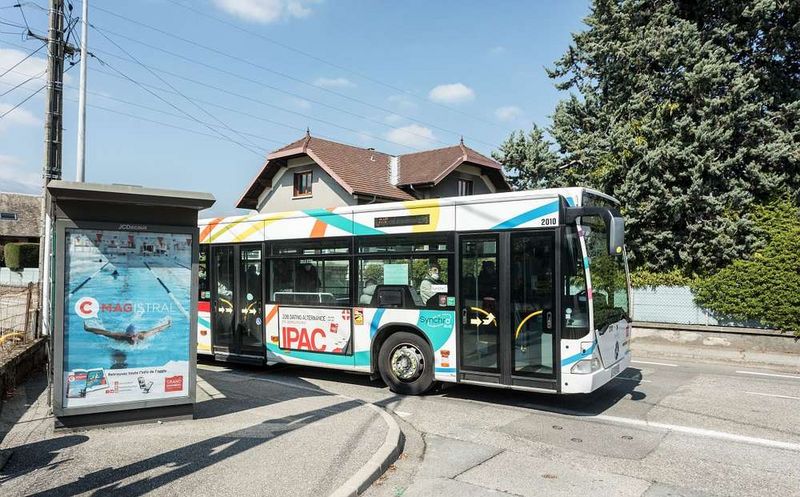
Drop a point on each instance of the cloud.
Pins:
(452, 94)
(14, 178)
(30, 67)
(265, 11)
(413, 135)
(334, 83)
(508, 113)
(301, 103)
(19, 117)
(393, 119)
(402, 102)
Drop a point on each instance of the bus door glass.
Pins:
(532, 299)
(480, 295)
(250, 306)
(507, 289)
(222, 297)
(237, 302)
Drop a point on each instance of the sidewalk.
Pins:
(251, 436)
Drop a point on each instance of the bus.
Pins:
(522, 290)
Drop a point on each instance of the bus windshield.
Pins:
(608, 272)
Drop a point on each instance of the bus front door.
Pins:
(237, 303)
(508, 319)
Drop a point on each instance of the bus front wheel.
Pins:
(405, 362)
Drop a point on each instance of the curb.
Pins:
(386, 454)
(379, 462)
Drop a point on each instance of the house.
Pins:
(20, 218)
(317, 173)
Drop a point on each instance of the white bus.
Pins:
(522, 290)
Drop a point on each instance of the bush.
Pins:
(765, 287)
(21, 255)
(642, 278)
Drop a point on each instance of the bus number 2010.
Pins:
(549, 221)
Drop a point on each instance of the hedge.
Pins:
(21, 255)
(765, 287)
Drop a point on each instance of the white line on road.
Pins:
(402, 414)
(771, 374)
(632, 379)
(774, 395)
(702, 432)
(655, 363)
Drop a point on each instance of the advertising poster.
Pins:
(126, 316)
(315, 330)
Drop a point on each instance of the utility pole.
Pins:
(51, 169)
(54, 100)
(82, 96)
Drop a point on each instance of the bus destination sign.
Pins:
(390, 222)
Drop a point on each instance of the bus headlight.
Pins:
(586, 366)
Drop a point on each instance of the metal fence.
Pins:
(18, 316)
(676, 305)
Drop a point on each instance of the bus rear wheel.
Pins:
(405, 362)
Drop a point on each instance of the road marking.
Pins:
(771, 374)
(655, 363)
(402, 414)
(702, 432)
(632, 379)
(774, 395)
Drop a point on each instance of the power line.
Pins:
(23, 60)
(12, 109)
(137, 83)
(260, 83)
(202, 109)
(332, 64)
(37, 76)
(154, 121)
(267, 69)
(266, 104)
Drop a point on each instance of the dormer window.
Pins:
(464, 187)
(302, 184)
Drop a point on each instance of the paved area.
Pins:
(251, 437)
(664, 429)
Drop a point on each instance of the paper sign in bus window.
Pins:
(395, 274)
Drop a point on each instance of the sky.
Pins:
(193, 94)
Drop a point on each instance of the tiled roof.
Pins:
(366, 171)
(28, 211)
(431, 166)
(358, 170)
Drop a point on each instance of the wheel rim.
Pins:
(407, 362)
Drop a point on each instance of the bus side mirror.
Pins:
(615, 225)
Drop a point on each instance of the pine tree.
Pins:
(688, 113)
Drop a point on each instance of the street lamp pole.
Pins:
(81, 162)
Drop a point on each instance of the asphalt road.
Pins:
(663, 428)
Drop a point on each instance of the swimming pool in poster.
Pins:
(126, 316)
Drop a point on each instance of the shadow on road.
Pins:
(590, 404)
(240, 394)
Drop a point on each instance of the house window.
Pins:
(8, 216)
(464, 187)
(302, 184)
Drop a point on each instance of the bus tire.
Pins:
(405, 362)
